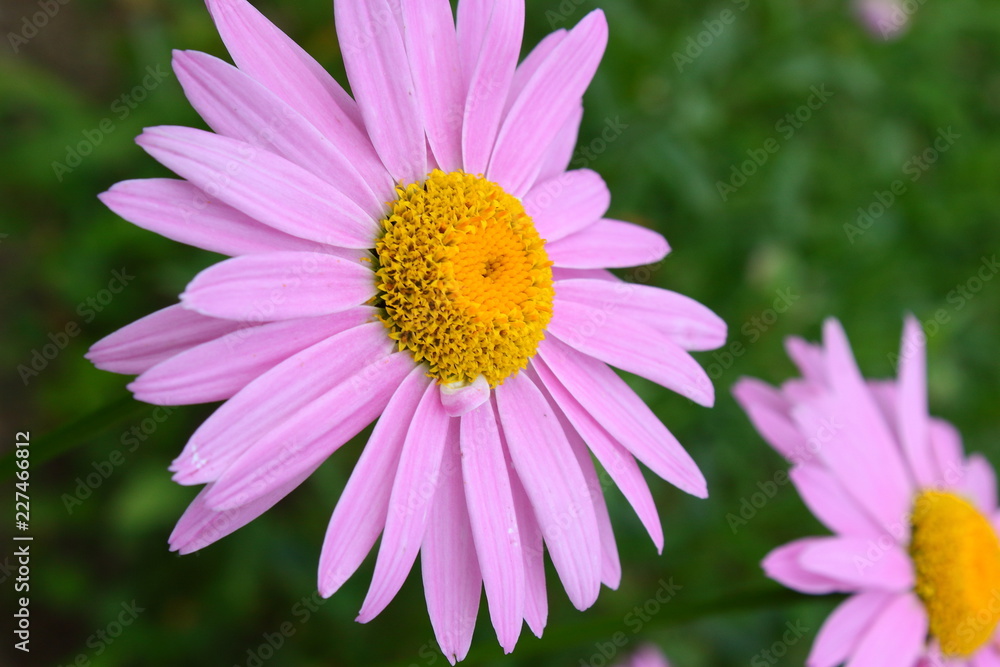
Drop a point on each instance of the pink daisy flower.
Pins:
(420, 255)
(915, 520)
(646, 656)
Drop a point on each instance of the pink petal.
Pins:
(452, 580)
(473, 23)
(280, 286)
(611, 567)
(559, 154)
(869, 470)
(416, 481)
(274, 398)
(985, 657)
(613, 404)
(200, 525)
(567, 203)
(536, 603)
(946, 444)
(608, 244)
(263, 185)
(432, 47)
(494, 522)
(860, 563)
(546, 103)
(830, 503)
(843, 629)
(912, 403)
(269, 56)
(181, 212)
(863, 449)
(534, 60)
(457, 401)
(981, 483)
(139, 346)
(896, 636)
(808, 357)
(379, 72)
(361, 512)
(630, 345)
(555, 485)
(685, 321)
(236, 105)
(493, 47)
(216, 370)
(312, 434)
(783, 566)
(767, 410)
(614, 458)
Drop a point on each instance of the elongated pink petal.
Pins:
(139, 346)
(685, 321)
(280, 286)
(808, 357)
(946, 444)
(495, 61)
(567, 203)
(218, 369)
(830, 503)
(274, 398)
(608, 244)
(363, 506)
(313, 433)
(269, 56)
(536, 603)
(236, 105)
(895, 637)
(843, 629)
(546, 103)
(181, 212)
(630, 345)
(494, 522)
(473, 21)
(872, 446)
(457, 401)
(432, 47)
(379, 71)
(615, 459)
(871, 472)
(535, 59)
(555, 485)
(417, 479)
(451, 571)
(860, 563)
(263, 185)
(613, 404)
(200, 525)
(611, 567)
(783, 566)
(981, 483)
(559, 154)
(767, 410)
(911, 416)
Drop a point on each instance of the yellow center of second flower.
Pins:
(463, 278)
(956, 555)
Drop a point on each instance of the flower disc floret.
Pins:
(463, 278)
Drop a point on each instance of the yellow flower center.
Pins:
(956, 554)
(463, 278)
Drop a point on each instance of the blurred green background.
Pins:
(685, 127)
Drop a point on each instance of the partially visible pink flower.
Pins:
(646, 656)
(420, 255)
(915, 541)
(886, 19)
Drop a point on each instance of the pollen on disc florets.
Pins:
(956, 555)
(463, 278)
